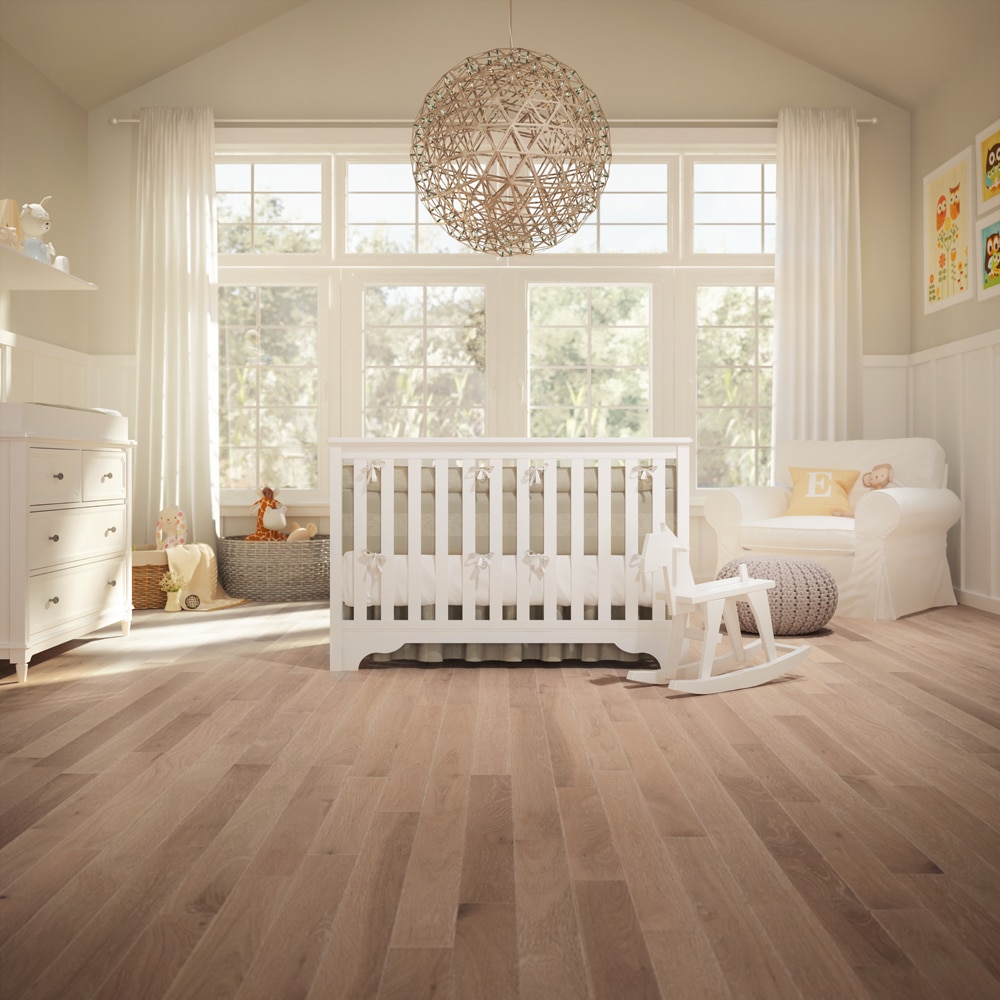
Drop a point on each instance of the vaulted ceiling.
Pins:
(899, 50)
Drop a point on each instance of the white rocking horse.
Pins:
(717, 601)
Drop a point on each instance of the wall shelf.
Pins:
(19, 272)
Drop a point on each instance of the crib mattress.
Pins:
(474, 573)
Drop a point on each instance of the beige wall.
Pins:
(943, 127)
(43, 151)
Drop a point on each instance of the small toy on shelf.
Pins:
(35, 223)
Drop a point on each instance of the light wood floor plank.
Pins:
(203, 810)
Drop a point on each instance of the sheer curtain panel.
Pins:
(817, 277)
(177, 339)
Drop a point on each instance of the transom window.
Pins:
(269, 207)
(734, 207)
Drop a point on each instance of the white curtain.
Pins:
(177, 340)
(817, 330)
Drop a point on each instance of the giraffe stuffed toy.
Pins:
(266, 502)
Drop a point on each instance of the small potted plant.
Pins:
(172, 584)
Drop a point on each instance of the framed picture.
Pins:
(988, 167)
(988, 256)
(948, 209)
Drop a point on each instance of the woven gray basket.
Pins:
(276, 571)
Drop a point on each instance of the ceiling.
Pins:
(899, 50)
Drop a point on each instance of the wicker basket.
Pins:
(276, 571)
(148, 567)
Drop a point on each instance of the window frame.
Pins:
(339, 276)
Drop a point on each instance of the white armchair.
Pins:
(889, 559)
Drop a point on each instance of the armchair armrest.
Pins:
(915, 509)
(727, 510)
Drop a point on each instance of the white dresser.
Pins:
(65, 543)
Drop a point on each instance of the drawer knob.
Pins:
(53, 538)
(57, 475)
(110, 531)
(112, 583)
(107, 475)
(52, 600)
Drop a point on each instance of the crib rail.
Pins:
(441, 564)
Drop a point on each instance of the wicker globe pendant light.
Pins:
(510, 152)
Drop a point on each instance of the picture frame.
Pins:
(988, 168)
(947, 212)
(988, 256)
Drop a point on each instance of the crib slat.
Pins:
(496, 539)
(440, 539)
(576, 538)
(631, 538)
(550, 547)
(522, 543)
(658, 519)
(360, 539)
(388, 543)
(414, 548)
(604, 539)
(467, 567)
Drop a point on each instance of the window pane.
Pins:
(727, 176)
(733, 436)
(373, 208)
(727, 208)
(588, 349)
(637, 177)
(269, 386)
(268, 207)
(425, 360)
(727, 239)
(380, 177)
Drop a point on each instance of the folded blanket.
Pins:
(196, 562)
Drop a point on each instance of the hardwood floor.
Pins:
(203, 810)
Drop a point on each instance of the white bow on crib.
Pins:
(534, 474)
(636, 561)
(372, 470)
(482, 472)
(643, 472)
(373, 560)
(480, 561)
(537, 561)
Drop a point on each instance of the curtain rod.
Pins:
(399, 122)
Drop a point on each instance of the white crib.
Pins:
(513, 540)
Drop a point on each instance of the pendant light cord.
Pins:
(510, 22)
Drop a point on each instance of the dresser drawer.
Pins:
(104, 475)
(53, 475)
(79, 592)
(61, 536)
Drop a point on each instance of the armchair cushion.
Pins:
(819, 492)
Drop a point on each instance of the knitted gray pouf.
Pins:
(803, 599)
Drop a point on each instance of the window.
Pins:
(385, 215)
(734, 207)
(346, 310)
(269, 207)
(425, 360)
(268, 387)
(589, 360)
(734, 365)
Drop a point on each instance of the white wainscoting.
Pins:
(949, 393)
(32, 371)
(953, 398)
